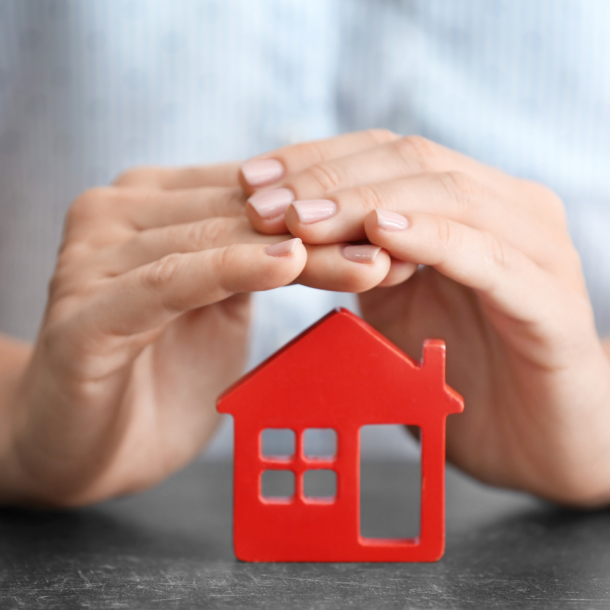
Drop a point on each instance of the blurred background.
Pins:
(91, 88)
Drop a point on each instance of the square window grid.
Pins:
(298, 466)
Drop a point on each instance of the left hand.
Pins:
(502, 285)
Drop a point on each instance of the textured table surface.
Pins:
(171, 548)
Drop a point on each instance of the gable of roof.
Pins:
(341, 369)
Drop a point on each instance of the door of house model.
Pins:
(390, 503)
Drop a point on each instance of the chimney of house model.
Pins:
(434, 360)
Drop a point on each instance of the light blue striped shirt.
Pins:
(89, 88)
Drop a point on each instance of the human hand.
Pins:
(146, 323)
(502, 285)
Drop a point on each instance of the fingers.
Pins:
(152, 295)
(141, 209)
(398, 158)
(267, 169)
(179, 207)
(453, 195)
(163, 178)
(345, 267)
(146, 235)
(340, 217)
(501, 275)
(327, 267)
(153, 244)
(399, 272)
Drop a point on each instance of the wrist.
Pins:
(14, 359)
(585, 469)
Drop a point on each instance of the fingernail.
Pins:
(284, 248)
(271, 203)
(360, 254)
(262, 171)
(390, 221)
(314, 210)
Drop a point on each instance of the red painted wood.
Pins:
(340, 374)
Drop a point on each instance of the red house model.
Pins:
(339, 374)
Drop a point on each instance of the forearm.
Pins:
(606, 344)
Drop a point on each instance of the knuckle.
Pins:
(73, 258)
(370, 198)
(223, 259)
(161, 274)
(63, 288)
(198, 234)
(141, 175)
(417, 151)
(56, 345)
(313, 150)
(206, 233)
(381, 135)
(548, 204)
(553, 205)
(231, 205)
(90, 201)
(64, 307)
(446, 236)
(572, 264)
(496, 252)
(327, 176)
(87, 207)
(72, 252)
(461, 189)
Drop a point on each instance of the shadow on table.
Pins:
(173, 545)
(32, 534)
(191, 518)
(183, 517)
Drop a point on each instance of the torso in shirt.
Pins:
(88, 89)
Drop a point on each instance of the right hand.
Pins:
(146, 323)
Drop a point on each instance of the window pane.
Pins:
(320, 484)
(277, 484)
(320, 443)
(277, 442)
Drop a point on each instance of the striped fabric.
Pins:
(91, 87)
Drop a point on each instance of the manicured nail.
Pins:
(284, 248)
(271, 203)
(262, 171)
(360, 254)
(390, 221)
(314, 210)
